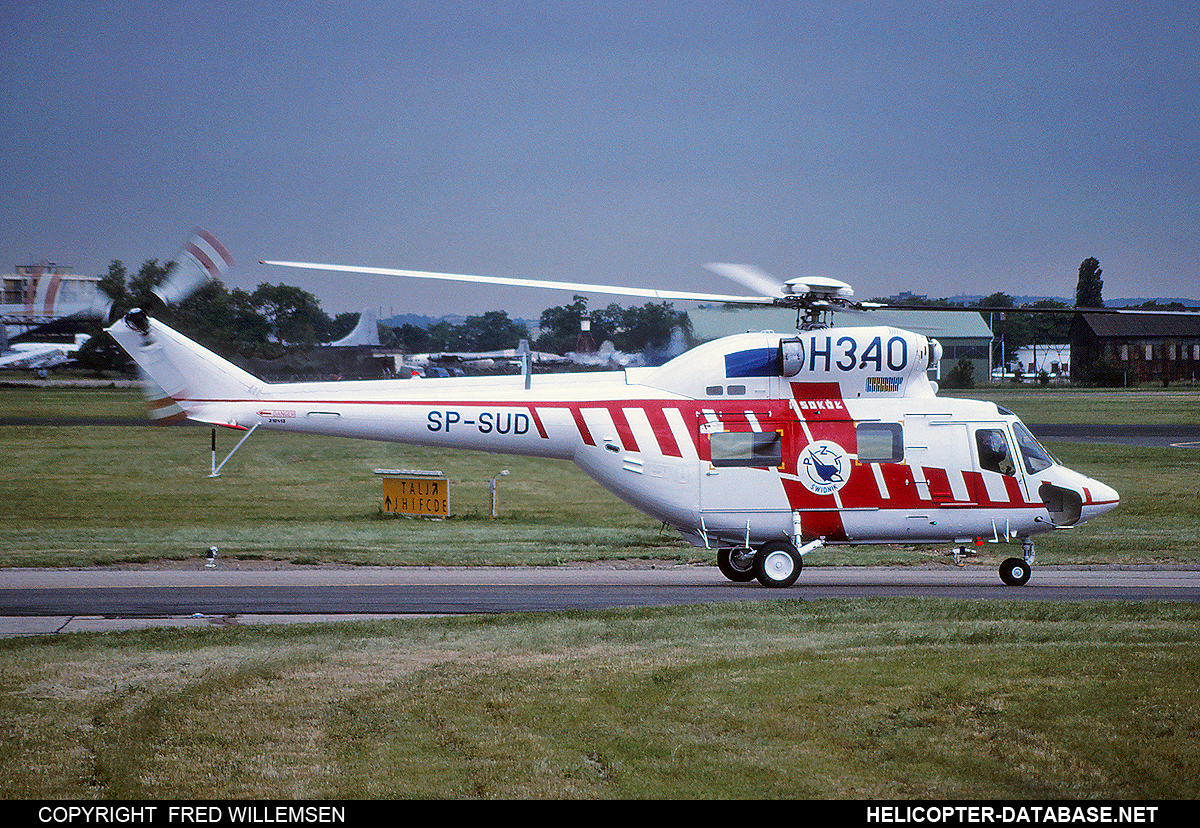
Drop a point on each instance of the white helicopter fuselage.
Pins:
(833, 435)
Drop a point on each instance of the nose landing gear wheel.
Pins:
(1015, 572)
(777, 564)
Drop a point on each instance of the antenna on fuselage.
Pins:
(526, 362)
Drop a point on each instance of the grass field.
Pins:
(83, 495)
(884, 698)
(889, 699)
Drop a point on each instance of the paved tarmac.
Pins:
(1161, 436)
(35, 601)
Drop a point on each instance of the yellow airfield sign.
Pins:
(415, 492)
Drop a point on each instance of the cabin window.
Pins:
(746, 448)
(880, 442)
(714, 390)
(994, 454)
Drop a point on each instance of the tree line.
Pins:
(274, 320)
(1018, 330)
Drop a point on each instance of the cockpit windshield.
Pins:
(1036, 457)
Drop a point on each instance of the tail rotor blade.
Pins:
(202, 260)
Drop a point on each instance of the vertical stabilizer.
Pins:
(366, 332)
(186, 375)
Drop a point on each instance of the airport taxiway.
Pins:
(62, 600)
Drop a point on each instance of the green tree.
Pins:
(343, 324)
(295, 315)
(1018, 329)
(962, 375)
(149, 276)
(1049, 328)
(102, 353)
(645, 327)
(412, 338)
(1089, 287)
(225, 321)
(493, 331)
(114, 284)
(446, 336)
(561, 326)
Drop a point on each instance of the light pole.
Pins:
(492, 489)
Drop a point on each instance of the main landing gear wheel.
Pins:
(1015, 572)
(777, 564)
(736, 564)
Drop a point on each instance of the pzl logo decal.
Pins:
(824, 467)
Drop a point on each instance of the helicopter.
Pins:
(760, 447)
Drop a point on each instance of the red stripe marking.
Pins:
(623, 429)
(939, 484)
(577, 413)
(216, 245)
(202, 257)
(662, 432)
(1015, 495)
(537, 421)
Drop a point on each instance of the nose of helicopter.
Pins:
(1098, 498)
(1072, 498)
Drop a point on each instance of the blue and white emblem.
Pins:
(824, 467)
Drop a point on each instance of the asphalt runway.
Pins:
(51, 600)
(1161, 436)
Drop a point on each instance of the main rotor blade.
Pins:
(1022, 309)
(584, 287)
(749, 276)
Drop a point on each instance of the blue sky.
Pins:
(939, 148)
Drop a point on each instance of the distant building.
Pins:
(41, 294)
(1055, 360)
(46, 290)
(1150, 347)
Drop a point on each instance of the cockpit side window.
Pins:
(994, 453)
(1036, 457)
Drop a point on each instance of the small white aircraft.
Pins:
(761, 447)
(40, 354)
